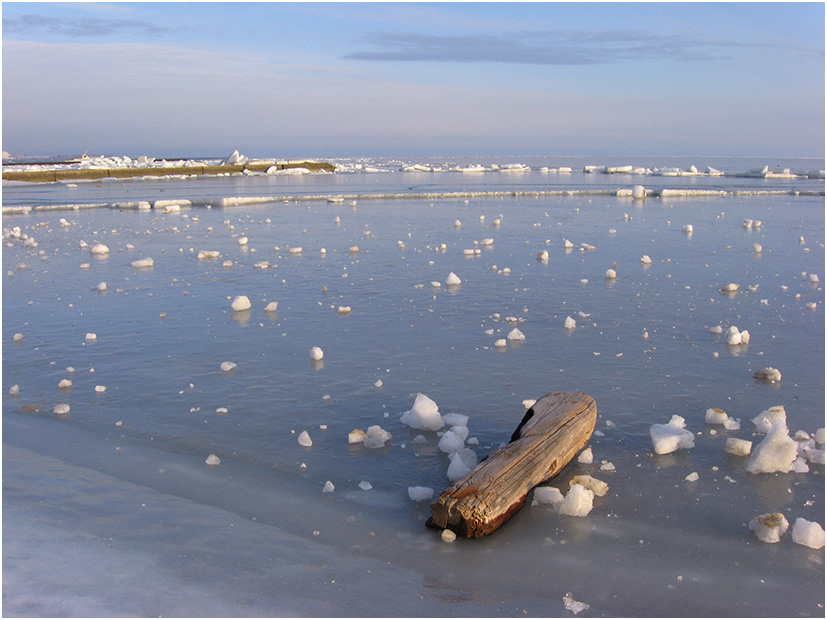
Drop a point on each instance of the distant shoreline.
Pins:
(51, 175)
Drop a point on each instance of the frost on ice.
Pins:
(776, 453)
(667, 438)
(424, 415)
(770, 527)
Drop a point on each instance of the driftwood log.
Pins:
(552, 431)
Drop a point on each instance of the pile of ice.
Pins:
(375, 437)
(672, 436)
(578, 502)
(780, 453)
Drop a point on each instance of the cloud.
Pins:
(32, 24)
(553, 47)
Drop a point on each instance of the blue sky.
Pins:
(373, 79)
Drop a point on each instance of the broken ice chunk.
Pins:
(61, 409)
(764, 420)
(570, 323)
(447, 535)
(356, 436)
(316, 353)
(240, 302)
(273, 306)
(598, 487)
(213, 460)
(99, 249)
(365, 485)
(586, 457)
(304, 439)
(693, 477)
(227, 366)
(575, 606)
(328, 487)
(770, 527)
(424, 415)
(515, 334)
(376, 437)
(716, 416)
(808, 533)
(769, 374)
(420, 494)
(462, 462)
(737, 447)
(667, 438)
(578, 502)
(143, 263)
(548, 495)
(776, 453)
(645, 259)
(451, 442)
(455, 419)
(453, 279)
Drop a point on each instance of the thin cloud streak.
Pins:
(32, 24)
(553, 47)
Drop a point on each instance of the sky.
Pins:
(344, 79)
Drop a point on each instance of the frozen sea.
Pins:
(111, 509)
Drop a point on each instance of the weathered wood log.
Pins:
(552, 431)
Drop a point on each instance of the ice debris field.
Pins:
(303, 374)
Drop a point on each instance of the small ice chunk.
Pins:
(813, 277)
(819, 435)
(100, 389)
(101, 287)
(737, 447)
(424, 415)
(548, 495)
(91, 336)
(808, 533)
(586, 457)
(455, 419)
(207, 254)
(744, 337)
(500, 343)
(143, 263)
(420, 494)
(645, 259)
(462, 462)
(578, 502)
(273, 306)
(732, 424)
(716, 329)
(65, 383)
(365, 485)
(638, 192)
(543, 256)
(730, 287)
(764, 420)
(316, 353)
(570, 323)
(575, 606)
(99, 248)
(716, 416)
(515, 334)
(419, 439)
(241, 302)
(598, 487)
(378, 383)
(733, 338)
(356, 436)
(448, 536)
(611, 274)
(693, 477)
(451, 442)
(688, 228)
(757, 248)
(213, 460)
(769, 374)
(776, 453)
(770, 527)
(667, 438)
(328, 487)
(61, 409)
(376, 437)
(304, 439)
(14, 390)
(453, 279)
(227, 366)
(344, 309)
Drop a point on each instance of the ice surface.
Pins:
(808, 533)
(424, 415)
(776, 453)
(667, 438)
(770, 527)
